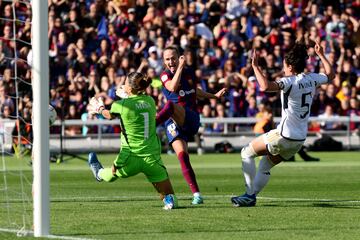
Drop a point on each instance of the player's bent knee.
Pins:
(275, 159)
(248, 152)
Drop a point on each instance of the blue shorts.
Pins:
(190, 128)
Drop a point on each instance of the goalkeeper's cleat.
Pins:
(95, 165)
(245, 200)
(197, 200)
(170, 202)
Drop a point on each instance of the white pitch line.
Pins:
(67, 237)
(31, 233)
(309, 200)
(206, 197)
(182, 197)
(147, 197)
(8, 230)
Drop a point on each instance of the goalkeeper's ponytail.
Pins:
(138, 81)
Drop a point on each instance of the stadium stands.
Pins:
(94, 44)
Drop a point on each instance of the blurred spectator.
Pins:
(252, 108)
(354, 111)
(154, 61)
(319, 103)
(6, 103)
(326, 124)
(22, 133)
(219, 113)
(344, 93)
(264, 122)
(72, 114)
(331, 98)
(206, 113)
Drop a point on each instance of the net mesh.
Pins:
(15, 119)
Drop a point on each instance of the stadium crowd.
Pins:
(94, 44)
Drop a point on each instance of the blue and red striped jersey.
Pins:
(185, 95)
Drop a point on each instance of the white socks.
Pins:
(249, 170)
(263, 174)
(255, 181)
(197, 194)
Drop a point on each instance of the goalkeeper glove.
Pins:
(96, 105)
(120, 92)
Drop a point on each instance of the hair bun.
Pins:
(138, 81)
(145, 82)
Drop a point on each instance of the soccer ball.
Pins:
(52, 115)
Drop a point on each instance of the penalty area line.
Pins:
(31, 233)
(67, 237)
(205, 197)
(184, 197)
(308, 200)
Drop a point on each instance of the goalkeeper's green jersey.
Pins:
(138, 125)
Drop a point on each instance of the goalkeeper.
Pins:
(140, 146)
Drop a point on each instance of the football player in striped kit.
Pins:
(180, 114)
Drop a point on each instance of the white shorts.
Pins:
(277, 145)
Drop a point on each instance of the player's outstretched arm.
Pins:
(327, 66)
(106, 114)
(96, 106)
(202, 94)
(264, 84)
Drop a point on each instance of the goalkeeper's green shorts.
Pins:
(128, 165)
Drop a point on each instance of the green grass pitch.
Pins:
(303, 200)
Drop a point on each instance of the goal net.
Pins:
(18, 110)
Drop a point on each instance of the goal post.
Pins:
(40, 74)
